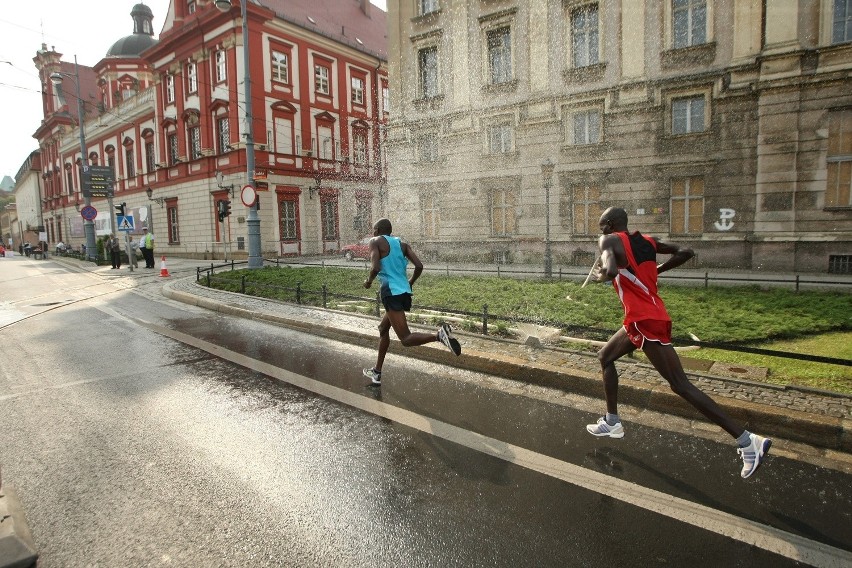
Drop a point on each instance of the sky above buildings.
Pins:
(71, 28)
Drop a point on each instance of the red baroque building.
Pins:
(168, 115)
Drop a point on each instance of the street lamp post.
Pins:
(255, 260)
(88, 225)
(546, 174)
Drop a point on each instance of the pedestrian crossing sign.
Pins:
(125, 223)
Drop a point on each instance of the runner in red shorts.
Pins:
(629, 260)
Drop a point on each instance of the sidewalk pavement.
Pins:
(799, 414)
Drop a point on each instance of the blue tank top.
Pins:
(392, 275)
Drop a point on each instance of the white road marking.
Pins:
(756, 534)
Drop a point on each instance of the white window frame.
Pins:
(427, 147)
(674, 103)
(499, 54)
(669, 23)
(583, 119)
(357, 84)
(386, 99)
(279, 63)
(170, 88)
(191, 78)
(221, 65)
(835, 32)
(428, 74)
(427, 7)
(500, 138)
(591, 35)
(322, 85)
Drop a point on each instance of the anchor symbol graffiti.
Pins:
(724, 223)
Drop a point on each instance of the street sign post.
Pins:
(88, 213)
(97, 180)
(248, 195)
(125, 223)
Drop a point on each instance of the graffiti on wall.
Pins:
(725, 222)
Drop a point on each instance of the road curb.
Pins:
(17, 548)
(818, 430)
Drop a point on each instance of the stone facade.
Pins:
(711, 132)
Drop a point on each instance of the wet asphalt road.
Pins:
(130, 447)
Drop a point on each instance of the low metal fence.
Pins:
(302, 296)
(687, 277)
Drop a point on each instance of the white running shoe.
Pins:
(374, 376)
(445, 336)
(601, 429)
(753, 454)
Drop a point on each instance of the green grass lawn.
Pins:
(811, 322)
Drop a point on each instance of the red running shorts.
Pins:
(651, 330)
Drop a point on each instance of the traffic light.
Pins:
(224, 209)
(120, 209)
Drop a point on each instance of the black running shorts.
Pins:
(398, 303)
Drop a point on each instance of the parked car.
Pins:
(361, 249)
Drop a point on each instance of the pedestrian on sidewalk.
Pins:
(389, 257)
(146, 245)
(629, 260)
(113, 247)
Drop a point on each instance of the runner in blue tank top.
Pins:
(389, 258)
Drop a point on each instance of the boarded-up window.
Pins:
(587, 208)
(687, 206)
(503, 203)
(429, 207)
(839, 159)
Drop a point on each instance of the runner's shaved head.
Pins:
(383, 226)
(617, 217)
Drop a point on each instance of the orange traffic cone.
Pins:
(163, 270)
